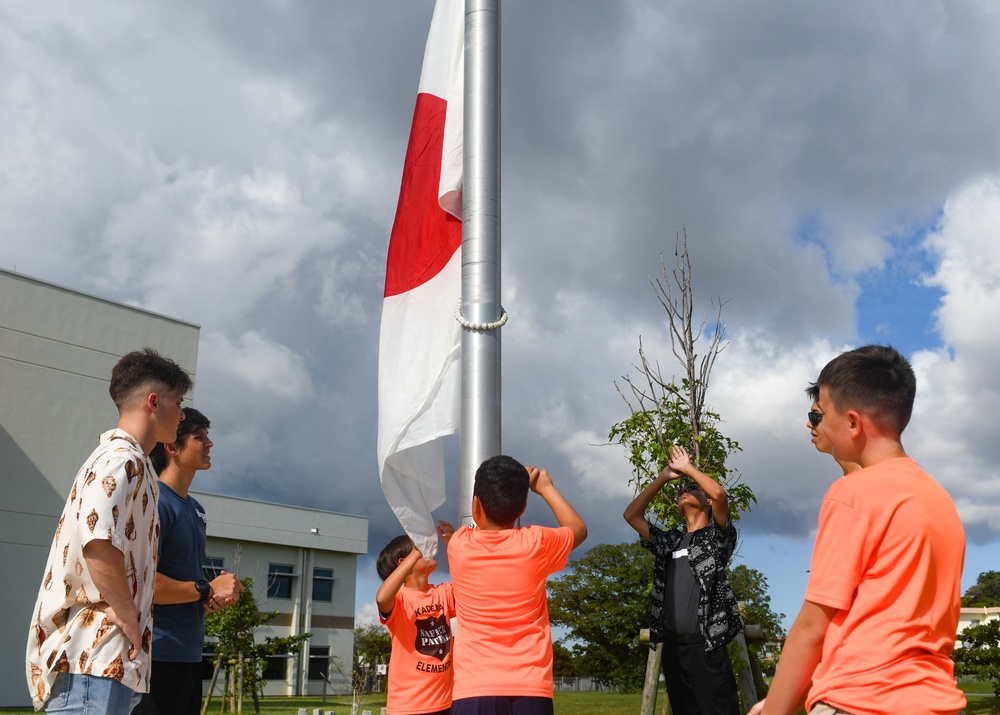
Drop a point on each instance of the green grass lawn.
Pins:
(564, 704)
(597, 703)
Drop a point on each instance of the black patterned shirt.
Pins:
(708, 555)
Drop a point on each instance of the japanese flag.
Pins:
(419, 370)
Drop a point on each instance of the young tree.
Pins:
(979, 656)
(372, 645)
(648, 435)
(233, 628)
(603, 602)
(352, 675)
(665, 413)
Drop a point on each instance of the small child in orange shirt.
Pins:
(418, 616)
(503, 636)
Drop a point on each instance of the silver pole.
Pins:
(480, 435)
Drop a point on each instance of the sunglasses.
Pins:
(815, 418)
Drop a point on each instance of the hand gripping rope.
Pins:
(479, 327)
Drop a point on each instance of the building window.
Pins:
(323, 585)
(213, 566)
(279, 581)
(319, 662)
(276, 667)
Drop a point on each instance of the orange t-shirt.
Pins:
(888, 557)
(420, 673)
(502, 640)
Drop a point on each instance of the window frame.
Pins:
(278, 580)
(323, 579)
(213, 566)
(317, 660)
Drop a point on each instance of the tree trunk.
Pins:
(747, 690)
(652, 682)
(211, 687)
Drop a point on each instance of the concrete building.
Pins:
(304, 565)
(975, 616)
(57, 348)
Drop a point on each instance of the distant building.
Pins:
(975, 616)
(57, 348)
(304, 565)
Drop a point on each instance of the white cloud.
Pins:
(967, 246)
(958, 384)
(338, 304)
(366, 614)
(255, 364)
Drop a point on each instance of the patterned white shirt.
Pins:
(114, 497)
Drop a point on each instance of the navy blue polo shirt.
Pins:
(179, 628)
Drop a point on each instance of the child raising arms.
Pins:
(504, 641)
(418, 616)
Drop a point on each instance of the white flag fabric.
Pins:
(419, 369)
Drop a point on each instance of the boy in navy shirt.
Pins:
(182, 593)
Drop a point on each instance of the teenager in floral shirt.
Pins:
(89, 640)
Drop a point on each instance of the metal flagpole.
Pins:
(480, 429)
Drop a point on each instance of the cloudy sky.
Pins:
(236, 164)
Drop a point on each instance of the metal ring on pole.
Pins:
(479, 327)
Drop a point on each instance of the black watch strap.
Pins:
(204, 589)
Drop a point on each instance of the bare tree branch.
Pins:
(675, 292)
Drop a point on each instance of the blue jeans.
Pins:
(76, 694)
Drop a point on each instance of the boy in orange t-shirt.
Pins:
(503, 640)
(878, 625)
(418, 616)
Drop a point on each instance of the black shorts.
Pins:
(174, 689)
(699, 682)
(502, 705)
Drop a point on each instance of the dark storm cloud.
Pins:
(236, 164)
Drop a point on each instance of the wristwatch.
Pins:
(204, 589)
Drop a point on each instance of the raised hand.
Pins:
(446, 531)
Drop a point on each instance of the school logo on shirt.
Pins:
(433, 637)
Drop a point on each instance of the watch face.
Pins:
(204, 588)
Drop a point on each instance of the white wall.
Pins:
(57, 348)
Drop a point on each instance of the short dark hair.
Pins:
(388, 558)
(501, 486)
(192, 422)
(875, 380)
(145, 368)
(812, 392)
